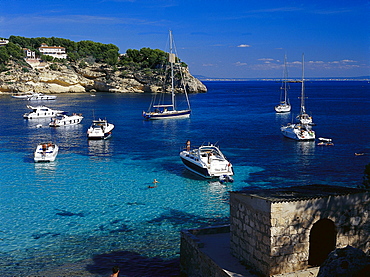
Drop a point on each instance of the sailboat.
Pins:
(303, 117)
(284, 105)
(169, 110)
(303, 129)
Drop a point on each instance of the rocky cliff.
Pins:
(61, 78)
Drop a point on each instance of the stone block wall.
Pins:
(290, 232)
(250, 232)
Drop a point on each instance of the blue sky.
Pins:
(219, 39)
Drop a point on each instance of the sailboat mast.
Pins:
(285, 81)
(171, 60)
(303, 110)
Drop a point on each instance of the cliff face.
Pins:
(60, 78)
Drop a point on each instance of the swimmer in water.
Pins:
(155, 184)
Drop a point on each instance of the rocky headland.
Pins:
(52, 78)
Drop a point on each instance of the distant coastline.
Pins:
(361, 78)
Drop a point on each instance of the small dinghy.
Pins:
(225, 179)
(325, 142)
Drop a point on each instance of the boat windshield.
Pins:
(98, 124)
(210, 150)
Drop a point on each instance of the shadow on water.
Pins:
(132, 264)
(185, 220)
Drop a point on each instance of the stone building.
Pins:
(283, 230)
(280, 231)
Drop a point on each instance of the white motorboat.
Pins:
(159, 110)
(303, 129)
(41, 112)
(100, 129)
(66, 120)
(33, 96)
(41, 96)
(46, 152)
(207, 161)
(284, 105)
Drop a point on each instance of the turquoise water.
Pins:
(94, 199)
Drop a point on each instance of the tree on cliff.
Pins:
(9, 51)
(4, 55)
(107, 53)
(145, 58)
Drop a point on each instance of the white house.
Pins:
(54, 51)
(29, 54)
(3, 42)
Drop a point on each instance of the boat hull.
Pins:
(166, 115)
(100, 137)
(34, 96)
(40, 98)
(196, 168)
(283, 108)
(22, 96)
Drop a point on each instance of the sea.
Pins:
(92, 207)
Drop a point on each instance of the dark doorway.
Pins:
(323, 238)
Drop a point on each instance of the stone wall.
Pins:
(250, 233)
(274, 237)
(193, 261)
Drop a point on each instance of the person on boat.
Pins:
(209, 157)
(188, 145)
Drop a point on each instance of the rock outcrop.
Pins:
(346, 262)
(60, 78)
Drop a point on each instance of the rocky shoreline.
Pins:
(53, 78)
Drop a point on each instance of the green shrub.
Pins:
(54, 66)
(82, 64)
